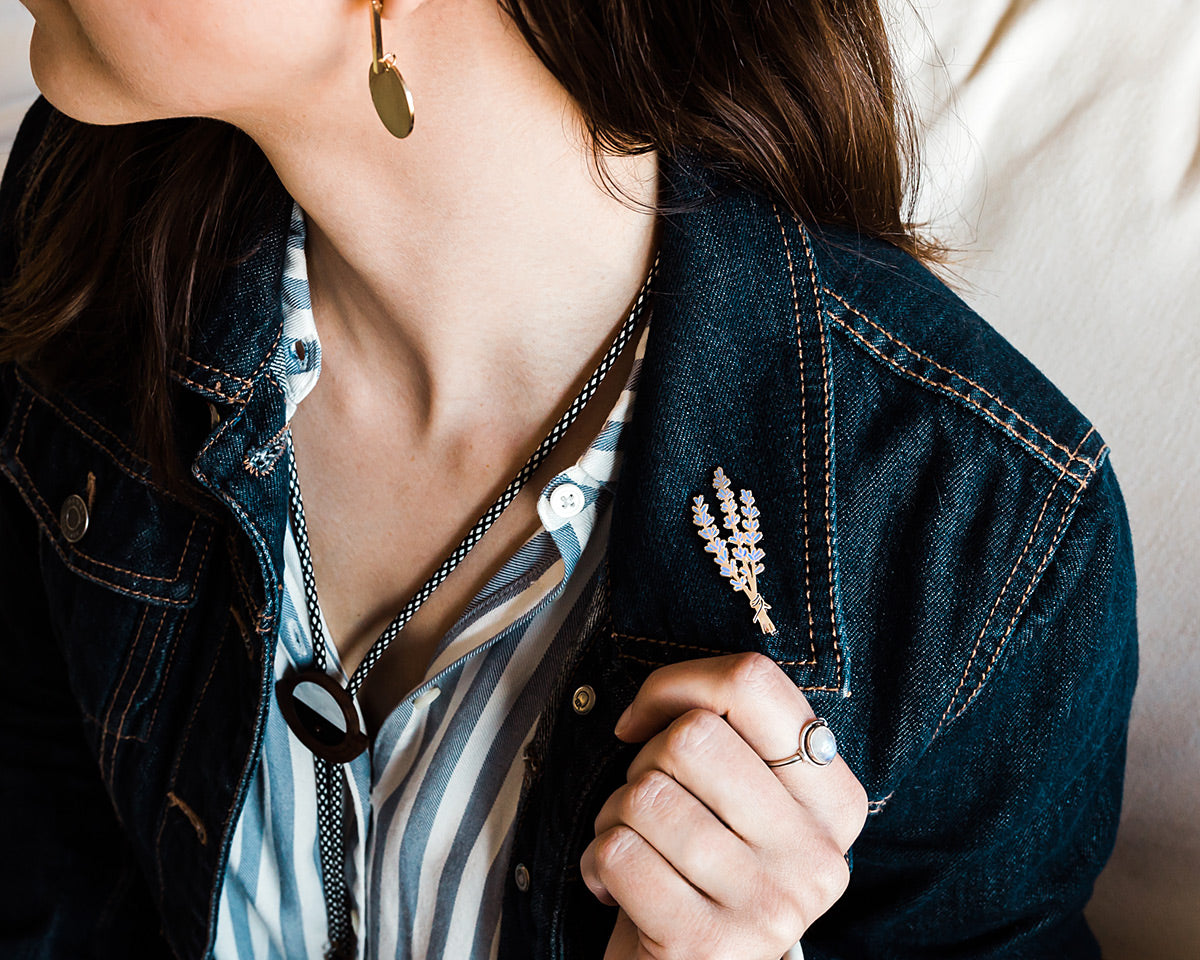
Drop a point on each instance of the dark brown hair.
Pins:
(133, 225)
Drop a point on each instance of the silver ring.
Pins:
(818, 745)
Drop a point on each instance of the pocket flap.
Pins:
(93, 499)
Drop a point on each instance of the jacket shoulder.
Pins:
(896, 312)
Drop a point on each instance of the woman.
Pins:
(646, 261)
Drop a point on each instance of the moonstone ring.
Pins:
(818, 745)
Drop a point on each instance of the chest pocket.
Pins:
(120, 560)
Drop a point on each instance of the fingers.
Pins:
(673, 919)
(685, 832)
(758, 699)
(621, 863)
(707, 850)
(766, 709)
(702, 753)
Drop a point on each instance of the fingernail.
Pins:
(623, 721)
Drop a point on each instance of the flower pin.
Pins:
(739, 556)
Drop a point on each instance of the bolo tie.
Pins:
(323, 714)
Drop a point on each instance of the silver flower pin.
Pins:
(739, 556)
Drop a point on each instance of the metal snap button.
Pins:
(566, 500)
(521, 876)
(214, 415)
(583, 700)
(73, 518)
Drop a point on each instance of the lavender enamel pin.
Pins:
(739, 556)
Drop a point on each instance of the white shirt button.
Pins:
(566, 500)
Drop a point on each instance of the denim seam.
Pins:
(116, 693)
(1037, 525)
(712, 651)
(93, 442)
(812, 642)
(178, 629)
(224, 373)
(174, 578)
(117, 461)
(111, 585)
(1033, 581)
(667, 643)
(95, 722)
(193, 818)
(204, 388)
(247, 382)
(264, 627)
(641, 660)
(94, 422)
(112, 755)
(821, 331)
(167, 672)
(243, 630)
(174, 800)
(875, 806)
(239, 572)
(954, 373)
(945, 388)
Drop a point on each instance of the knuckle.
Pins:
(693, 731)
(647, 794)
(832, 876)
(852, 812)
(612, 849)
(784, 925)
(860, 807)
(756, 671)
(786, 896)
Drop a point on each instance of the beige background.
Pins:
(1063, 160)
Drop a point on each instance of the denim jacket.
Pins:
(948, 564)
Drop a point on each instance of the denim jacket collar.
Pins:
(736, 315)
(231, 346)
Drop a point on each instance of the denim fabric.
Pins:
(948, 563)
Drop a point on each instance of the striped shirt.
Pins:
(435, 796)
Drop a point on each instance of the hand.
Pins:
(707, 850)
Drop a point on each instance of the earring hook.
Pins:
(376, 36)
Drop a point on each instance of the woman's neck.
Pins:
(478, 263)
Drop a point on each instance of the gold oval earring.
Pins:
(390, 94)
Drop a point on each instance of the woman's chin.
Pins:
(70, 87)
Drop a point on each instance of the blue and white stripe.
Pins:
(438, 790)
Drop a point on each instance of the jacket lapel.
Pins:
(736, 375)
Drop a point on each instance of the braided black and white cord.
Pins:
(330, 835)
